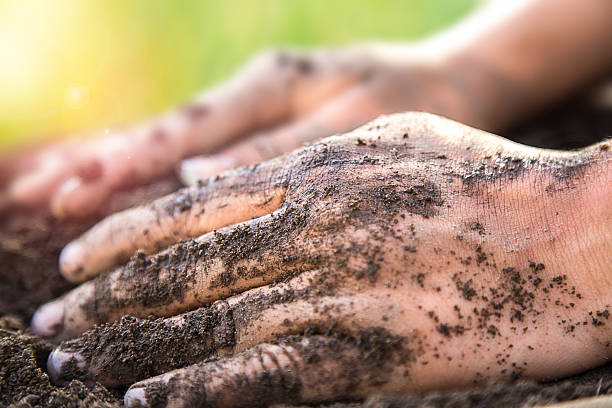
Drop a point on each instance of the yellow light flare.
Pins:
(76, 96)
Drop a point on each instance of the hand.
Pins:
(279, 101)
(411, 254)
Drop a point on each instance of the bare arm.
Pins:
(513, 58)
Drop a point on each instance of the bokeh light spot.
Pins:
(76, 96)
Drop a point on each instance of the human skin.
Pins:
(412, 254)
(503, 63)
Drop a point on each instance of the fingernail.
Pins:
(198, 168)
(48, 319)
(71, 261)
(135, 397)
(64, 367)
(70, 185)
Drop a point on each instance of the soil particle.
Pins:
(157, 395)
(24, 382)
(419, 199)
(518, 297)
(447, 330)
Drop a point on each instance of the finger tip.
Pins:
(193, 170)
(65, 366)
(135, 397)
(198, 168)
(47, 321)
(71, 262)
(53, 367)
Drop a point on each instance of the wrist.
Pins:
(490, 99)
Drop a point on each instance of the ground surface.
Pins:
(30, 244)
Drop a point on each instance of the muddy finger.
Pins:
(234, 197)
(133, 349)
(292, 370)
(186, 276)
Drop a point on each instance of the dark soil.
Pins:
(30, 242)
(23, 381)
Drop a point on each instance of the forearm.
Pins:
(513, 58)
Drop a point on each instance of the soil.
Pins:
(30, 242)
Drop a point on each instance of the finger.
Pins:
(77, 198)
(292, 370)
(258, 96)
(134, 349)
(342, 114)
(36, 187)
(233, 198)
(187, 275)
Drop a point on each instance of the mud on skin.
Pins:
(161, 279)
(153, 346)
(467, 291)
(27, 384)
(375, 348)
(381, 184)
(365, 205)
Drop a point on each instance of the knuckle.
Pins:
(266, 146)
(285, 60)
(271, 59)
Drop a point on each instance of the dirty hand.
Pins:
(411, 254)
(273, 105)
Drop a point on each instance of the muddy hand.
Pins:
(276, 103)
(412, 254)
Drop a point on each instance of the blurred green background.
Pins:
(70, 66)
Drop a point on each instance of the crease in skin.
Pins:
(290, 370)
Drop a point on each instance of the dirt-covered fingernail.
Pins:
(135, 397)
(48, 319)
(198, 168)
(64, 367)
(71, 260)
